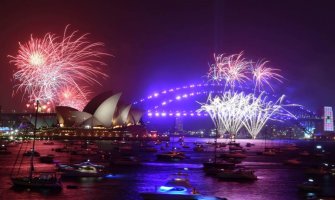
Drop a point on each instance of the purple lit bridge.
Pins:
(182, 102)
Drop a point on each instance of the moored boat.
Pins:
(171, 156)
(85, 169)
(309, 186)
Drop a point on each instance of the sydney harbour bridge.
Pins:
(184, 101)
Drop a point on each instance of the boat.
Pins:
(218, 164)
(4, 150)
(45, 180)
(235, 148)
(185, 146)
(249, 144)
(309, 186)
(177, 187)
(31, 152)
(239, 174)
(237, 155)
(48, 143)
(84, 169)
(304, 153)
(268, 152)
(293, 161)
(148, 148)
(171, 156)
(199, 148)
(316, 170)
(49, 159)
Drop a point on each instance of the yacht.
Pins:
(45, 180)
(171, 156)
(84, 169)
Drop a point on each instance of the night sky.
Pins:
(162, 44)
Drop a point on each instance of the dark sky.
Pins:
(161, 44)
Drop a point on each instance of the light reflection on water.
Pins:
(276, 181)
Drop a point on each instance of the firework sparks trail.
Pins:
(260, 111)
(73, 98)
(232, 110)
(262, 75)
(213, 111)
(236, 70)
(46, 66)
(231, 69)
(227, 111)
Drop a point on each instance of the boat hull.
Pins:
(36, 183)
(162, 196)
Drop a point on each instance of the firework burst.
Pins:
(262, 75)
(46, 65)
(231, 69)
(232, 111)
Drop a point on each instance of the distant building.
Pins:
(328, 119)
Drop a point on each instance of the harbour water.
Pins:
(276, 181)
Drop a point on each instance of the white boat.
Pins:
(85, 169)
(176, 188)
(236, 174)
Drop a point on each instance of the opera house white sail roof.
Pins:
(104, 110)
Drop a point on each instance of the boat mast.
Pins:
(215, 143)
(33, 149)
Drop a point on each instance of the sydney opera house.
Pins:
(105, 116)
(104, 111)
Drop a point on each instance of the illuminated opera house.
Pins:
(104, 110)
(105, 116)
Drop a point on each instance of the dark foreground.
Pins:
(276, 180)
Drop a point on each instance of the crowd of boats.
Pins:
(226, 162)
